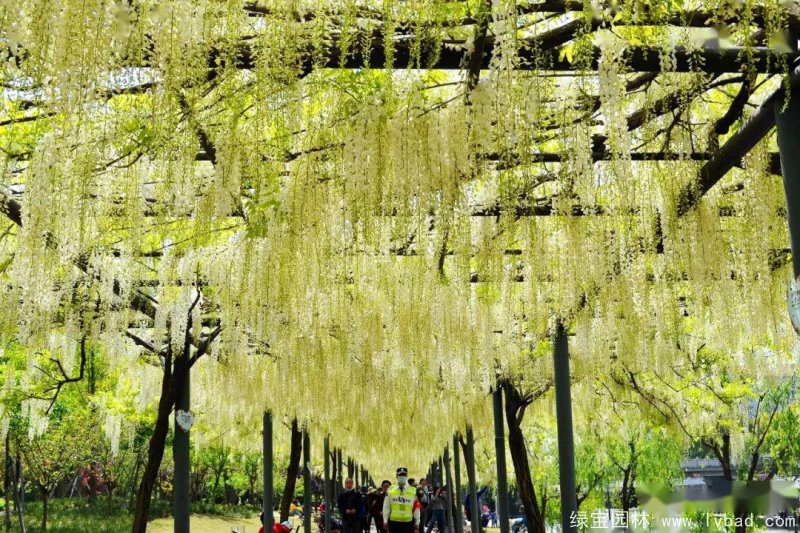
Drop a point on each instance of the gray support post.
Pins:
(180, 450)
(306, 481)
(328, 488)
(469, 456)
(457, 494)
(500, 451)
(788, 123)
(451, 490)
(269, 517)
(566, 444)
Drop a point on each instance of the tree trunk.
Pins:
(293, 470)
(92, 374)
(452, 500)
(44, 508)
(19, 491)
(519, 456)
(155, 452)
(130, 492)
(91, 485)
(625, 496)
(338, 480)
(7, 482)
(723, 454)
(545, 499)
(213, 498)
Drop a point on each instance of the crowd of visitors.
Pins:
(404, 507)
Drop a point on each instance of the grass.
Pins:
(77, 516)
(243, 523)
(210, 524)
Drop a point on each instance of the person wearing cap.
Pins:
(399, 515)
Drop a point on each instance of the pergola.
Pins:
(362, 37)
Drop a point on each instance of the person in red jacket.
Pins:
(285, 527)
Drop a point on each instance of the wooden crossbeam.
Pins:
(735, 148)
(637, 58)
(688, 18)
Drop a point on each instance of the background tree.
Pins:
(56, 454)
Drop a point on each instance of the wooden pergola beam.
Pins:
(698, 18)
(637, 59)
(735, 148)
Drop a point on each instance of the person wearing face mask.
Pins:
(399, 515)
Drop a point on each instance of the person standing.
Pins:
(436, 509)
(399, 515)
(424, 497)
(350, 503)
(468, 504)
(375, 507)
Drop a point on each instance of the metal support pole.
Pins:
(469, 456)
(306, 482)
(269, 517)
(500, 452)
(459, 496)
(449, 481)
(328, 491)
(180, 450)
(566, 444)
(788, 123)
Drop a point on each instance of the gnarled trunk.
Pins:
(515, 410)
(155, 452)
(292, 471)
